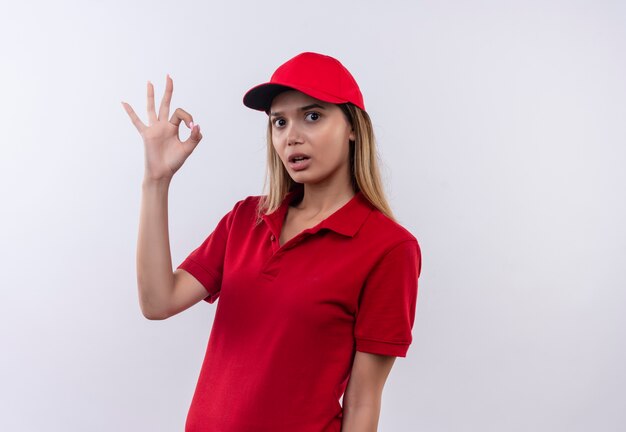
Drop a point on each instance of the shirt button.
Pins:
(272, 237)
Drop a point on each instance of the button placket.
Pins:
(272, 267)
(274, 244)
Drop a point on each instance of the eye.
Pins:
(279, 122)
(313, 116)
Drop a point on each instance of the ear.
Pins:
(351, 137)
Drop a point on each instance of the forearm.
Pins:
(362, 418)
(155, 280)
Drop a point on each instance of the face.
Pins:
(311, 138)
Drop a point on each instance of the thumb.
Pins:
(194, 138)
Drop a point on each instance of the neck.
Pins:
(325, 198)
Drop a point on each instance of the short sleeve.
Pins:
(206, 262)
(386, 311)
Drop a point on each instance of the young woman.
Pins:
(317, 282)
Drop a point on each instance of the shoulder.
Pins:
(393, 245)
(378, 222)
(244, 210)
(383, 234)
(246, 204)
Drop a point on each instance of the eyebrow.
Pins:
(304, 108)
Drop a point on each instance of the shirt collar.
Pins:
(346, 221)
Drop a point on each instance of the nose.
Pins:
(293, 135)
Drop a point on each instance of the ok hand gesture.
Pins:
(164, 152)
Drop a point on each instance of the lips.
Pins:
(296, 157)
(299, 161)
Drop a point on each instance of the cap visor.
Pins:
(260, 97)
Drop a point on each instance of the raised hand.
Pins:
(164, 151)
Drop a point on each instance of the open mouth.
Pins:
(296, 159)
(299, 162)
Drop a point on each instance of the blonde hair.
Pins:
(364, 172)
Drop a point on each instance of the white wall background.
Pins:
(502, 129)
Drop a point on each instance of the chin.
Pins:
(311, 176)
(303, 178)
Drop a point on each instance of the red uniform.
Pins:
(290, 318)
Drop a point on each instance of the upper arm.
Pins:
(199, 275)
(386, 308)
(367, 379)
(187, 292)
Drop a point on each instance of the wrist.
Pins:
(151, 182)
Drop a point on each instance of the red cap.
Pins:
(317, 75)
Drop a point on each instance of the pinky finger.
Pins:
(134, 118)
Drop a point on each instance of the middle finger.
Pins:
(164, 110)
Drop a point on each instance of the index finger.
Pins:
(134, 118)
(164, 109)
(152, 117)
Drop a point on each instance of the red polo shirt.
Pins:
(290, 318)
